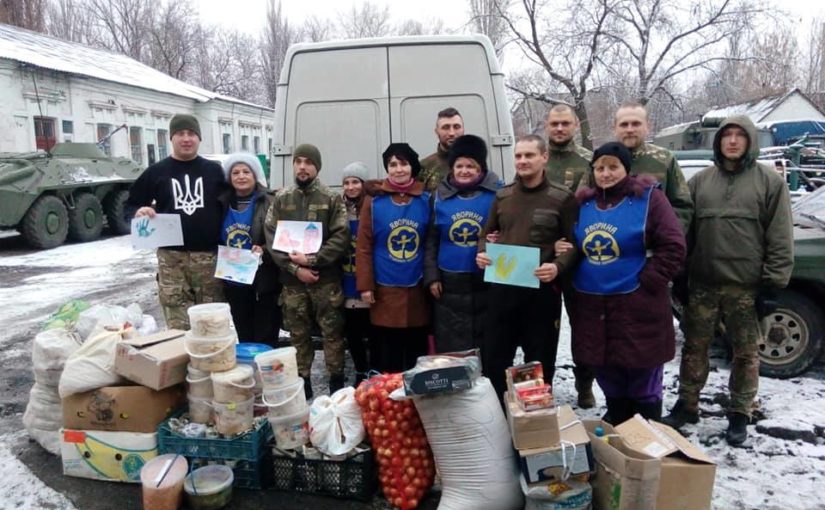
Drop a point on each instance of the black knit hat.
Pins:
(405, 152)
(615, 149)
(309, 151)
(183, 121)
(469, 146)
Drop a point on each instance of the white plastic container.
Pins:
(162, 479)
(198, 383)
(210, 354)
(278, 367)
(285, 401)
(235, 385)
(235, 417)
(291, 431)
(210, 319)
(209, 487)
(200, 410)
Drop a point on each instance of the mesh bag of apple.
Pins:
(405, 462)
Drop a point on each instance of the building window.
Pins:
(245, 143)
(68, 130)
(256, 142)
(136, 144)
(269, 146)
(44, 133)
(227, 143)
(163, 136)
(150, 153)
(103, 140)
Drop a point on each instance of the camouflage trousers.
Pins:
(322, 303)
(736, 305)
(186, 278)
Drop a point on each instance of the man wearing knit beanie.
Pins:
(187, 185)
(312, 281)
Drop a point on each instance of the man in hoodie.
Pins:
(741, 243)
(312, 281)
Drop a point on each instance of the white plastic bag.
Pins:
(50, 349)
(560, 495)
(335, 425)
(92, 366)
(472, 448)
(97, 318)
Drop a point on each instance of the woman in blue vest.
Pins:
(390, 261)
(632, 246)
(356, 311)
(254, 308)
(460, 208)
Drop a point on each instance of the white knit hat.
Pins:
(355, 169)
(249, 160)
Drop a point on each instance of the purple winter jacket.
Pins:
(632, 330)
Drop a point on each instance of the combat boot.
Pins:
(586, 398)
(680, 415)
(737, 431)
(650, 410)
(336, 382)
(307, 388)
(619, 410)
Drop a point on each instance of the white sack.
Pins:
(471, 444)
(97, 318)
(92, 366)
(335, 425)
(50, 349)
(44, 417)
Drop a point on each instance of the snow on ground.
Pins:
(21, 489)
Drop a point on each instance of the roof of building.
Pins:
(756, 109)
(40, 50)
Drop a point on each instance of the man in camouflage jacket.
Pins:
(434, 168)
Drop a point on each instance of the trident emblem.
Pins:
(189, 202)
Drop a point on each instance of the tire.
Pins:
(114, 206)
(792, 336)
(46, 223)
(86, 219)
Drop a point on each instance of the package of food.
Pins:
(535, 401)
(211, 354)
(442, 373)
(523, 373)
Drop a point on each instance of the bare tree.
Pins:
(277, 37)
(66, 19)
(123, 25)
(317, 29)
(416, 27)
(366, 20)
(485, 18)
(173, 37)
(813, 65)
(30, 14)
(566, 43)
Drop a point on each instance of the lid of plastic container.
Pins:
(208, 480)
(239, 373)
(175, 467)
(246, 352)
(277, 353)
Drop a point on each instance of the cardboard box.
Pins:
(121, 408)
(655, 465)
(573, 454)
(111, 456)
(157, 361)
(534, 429)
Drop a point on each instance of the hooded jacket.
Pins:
(742, 232)
(568, 164)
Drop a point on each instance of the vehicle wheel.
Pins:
(86, 219)
(792, 336)
(46, 223)
(114, 205)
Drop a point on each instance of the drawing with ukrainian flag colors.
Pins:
(512, 265)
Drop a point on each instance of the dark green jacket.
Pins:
(314, 203)
(568, 164)
(742, 230)
(659, 162)
(434, 169)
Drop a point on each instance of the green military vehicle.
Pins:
(67, 192)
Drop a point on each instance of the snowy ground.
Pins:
(781, 467)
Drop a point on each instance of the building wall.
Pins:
(795, 107)
(85, 108)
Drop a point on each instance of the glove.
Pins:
(766, 302)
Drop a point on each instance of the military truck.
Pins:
(66, 193)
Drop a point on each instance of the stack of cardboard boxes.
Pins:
(111, 432)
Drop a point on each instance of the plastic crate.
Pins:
(353, 478)
(248, 454)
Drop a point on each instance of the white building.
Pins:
(56, 91)
(793, 105)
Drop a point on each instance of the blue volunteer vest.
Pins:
(349, 263)
(398, 233)
(613, 244)
(236, 231)
(459, 222)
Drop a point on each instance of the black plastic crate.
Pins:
(353, 478)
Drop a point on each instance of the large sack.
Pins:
(473, 452)
(92, 366)
(100, 317)
(44, 417)
(335, 425)
(50, 349)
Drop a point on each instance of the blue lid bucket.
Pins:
(246, 352)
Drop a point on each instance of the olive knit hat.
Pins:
(183, 121)
(309, 151)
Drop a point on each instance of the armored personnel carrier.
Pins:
(69, 192)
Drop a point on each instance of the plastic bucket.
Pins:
(245, 353)
(291, 431)
(235, 417)
(200, 410)
(285, 401)
(235, 385)
(209, 487)
(210, 354)
(278, 367)
(198, 383)
(210, 319)
(162, 479)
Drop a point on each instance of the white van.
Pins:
(353, 98)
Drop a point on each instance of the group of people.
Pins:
(402, 258)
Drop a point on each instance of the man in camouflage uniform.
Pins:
(434, 168)
(568, 162)
(631, 127)
(741, 253)
(312, 282)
